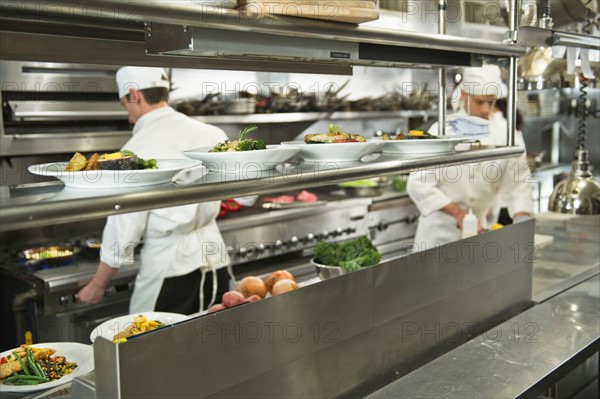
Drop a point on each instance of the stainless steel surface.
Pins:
(326, 272)
(291, 205)
(521, 357)
(16, 213)
(299, 348)
(45, 110)
(288, 231)
(442, 99)
(540, 37)
(188, 14)
(362, 191)
(202, 42)
(311, 116)
(573, 256)
(59, 108)
(97, 49)
(511, 107)
(579, 193)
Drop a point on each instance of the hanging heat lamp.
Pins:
(579, 193)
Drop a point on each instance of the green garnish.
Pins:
(334, 128)
(247, 129)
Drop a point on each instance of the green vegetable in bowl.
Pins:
(349, 256)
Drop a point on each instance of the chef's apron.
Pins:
(202, 247)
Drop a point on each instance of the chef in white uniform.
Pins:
(445, 195)
(182, 246)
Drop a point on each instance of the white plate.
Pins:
(82, 354)
(335, 152)
(112, 327)
(167, 169)
(420, 146)
(242, 162)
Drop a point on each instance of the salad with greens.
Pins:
(242, 143)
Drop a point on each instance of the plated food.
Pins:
(165, 170)
(242, 164)
(335, 135)
(35, 367)
(412, 135)
(418, 144)
(242, 143)
(120, 160)
(121, 328)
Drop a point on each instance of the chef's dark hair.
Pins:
(154, 95)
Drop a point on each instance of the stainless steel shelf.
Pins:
(44, 204)
(292, 117)
(533, 36)
(110, 12)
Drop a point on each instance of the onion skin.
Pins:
(284, 285)
(276, 276)
(251, 285)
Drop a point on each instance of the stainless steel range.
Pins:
(44, 301)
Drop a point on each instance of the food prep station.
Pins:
(385, 331)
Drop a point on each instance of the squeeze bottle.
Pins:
(469, 225)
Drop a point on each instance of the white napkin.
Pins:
(189, 175)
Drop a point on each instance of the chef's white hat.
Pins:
(140, 78)
(486, 81)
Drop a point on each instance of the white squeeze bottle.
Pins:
(469, 225)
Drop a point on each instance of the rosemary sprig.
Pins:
(247, 129)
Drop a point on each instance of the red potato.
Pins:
(284, 285)
(251, 285)
(216, 307)
(232, 298)
(253, 298)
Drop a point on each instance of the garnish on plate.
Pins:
(242, 143)
(120, 160)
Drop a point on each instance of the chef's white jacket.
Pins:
(177, 240)
(479, 186)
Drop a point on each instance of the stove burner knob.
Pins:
(278, 244)
(310, 237)
(242, 252)
(65, 300)
(262, 248)
(338, 232)
(325, 234)
(294, 240)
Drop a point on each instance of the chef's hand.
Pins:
(459, 215)
(521, 217)
(93, 292)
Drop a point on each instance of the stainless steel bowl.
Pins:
(326, 272)
(373, 191)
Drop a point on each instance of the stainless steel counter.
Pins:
(528, 353)
(520, 357)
